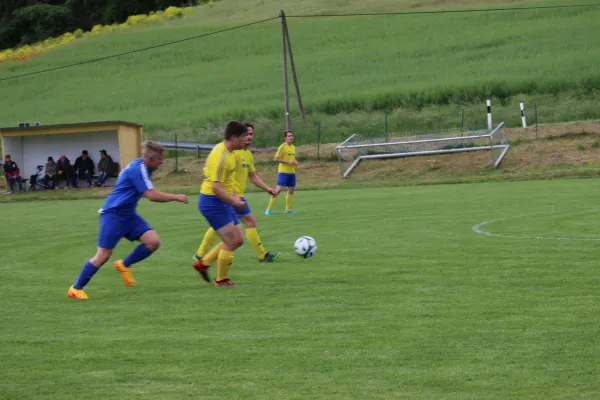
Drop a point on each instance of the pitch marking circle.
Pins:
(478, 228)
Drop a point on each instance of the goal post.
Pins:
(361, 147)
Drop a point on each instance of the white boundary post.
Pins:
(523, 119)
(489, 114)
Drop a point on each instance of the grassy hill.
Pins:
(421, 69)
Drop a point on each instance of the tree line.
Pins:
(30, 21)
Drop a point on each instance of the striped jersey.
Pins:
(219, 167)
(131, 184)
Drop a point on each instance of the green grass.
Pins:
(402, 300)
(422, 69)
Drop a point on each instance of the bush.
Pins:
(96, 30)
(41, 21)
(55, 18)
(173, 12)
(136, 19)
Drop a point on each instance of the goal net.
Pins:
(360, 146)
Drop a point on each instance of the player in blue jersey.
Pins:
(118, 219)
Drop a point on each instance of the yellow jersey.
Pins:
(287, 153)
(244, 166)
(219, 167)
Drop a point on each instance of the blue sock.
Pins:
(86, 274)
(137, 255)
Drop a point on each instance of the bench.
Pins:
(112, 179)
(15, 188)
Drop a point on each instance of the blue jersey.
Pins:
(133, 181)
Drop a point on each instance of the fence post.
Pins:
(489, 114)
(176, 154)
(536, 121)
(386, 128)
(462, 121)
(318, 140)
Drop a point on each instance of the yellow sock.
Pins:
(272, 203)
(254, 240)
(223, 264)
(209, 238)
(288, 201)
(212, 255)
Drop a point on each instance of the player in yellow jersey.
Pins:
(286, 172)
(244, 170)
(218, 199)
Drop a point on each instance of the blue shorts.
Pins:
(245, 211)
(114, 227)
(217, 213)
(286, 180)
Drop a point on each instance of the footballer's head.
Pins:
(288, 136)
(236, 133)
(153, 155)
(250, 136)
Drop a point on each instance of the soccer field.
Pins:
(404, 299)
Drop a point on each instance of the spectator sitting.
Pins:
(37, 178)
(84, 168)
(50, 173)
(64, 170)
(104, 168)
(12, 173)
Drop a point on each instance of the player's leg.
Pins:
(137, 229)
(87, 272)
(209, 238)
(281, 182)
(253, 238)
(218, 215)
(291, 184)
(207, 241)
(109, 234)
(232, 237)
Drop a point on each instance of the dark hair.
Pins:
(7, 156)
(103, 152)
(235, 128)
(84, 152)
(249, 125)
(286, 132)
(50, 158)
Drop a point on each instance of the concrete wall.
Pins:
(14, 147)
(37, 148)
(130, 139)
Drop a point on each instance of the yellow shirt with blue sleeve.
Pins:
(220, 167)
(286, 153)
(244, 166)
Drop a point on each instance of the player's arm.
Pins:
(278, 156)
(216, 176)
(253, 176)
(144, 185)
(162, 197)
(255, 179)
(288, 162)
(225, 197)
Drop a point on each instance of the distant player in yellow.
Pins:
(218, 200)
(286, 172)
(244, 170)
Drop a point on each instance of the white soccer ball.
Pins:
(305, 246)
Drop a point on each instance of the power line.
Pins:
(299, 16)
(136, 51)
(443, 11)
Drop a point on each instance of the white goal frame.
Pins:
(495, 161)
